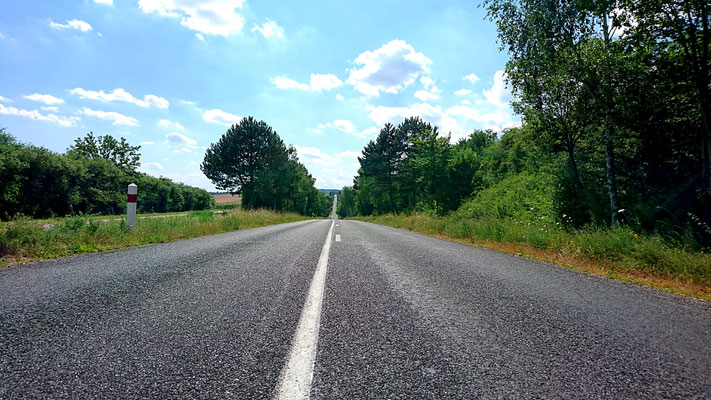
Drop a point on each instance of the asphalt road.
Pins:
(402, 316)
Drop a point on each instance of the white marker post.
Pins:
(131, 206)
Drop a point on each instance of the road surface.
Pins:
(397, 315)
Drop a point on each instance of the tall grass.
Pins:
(26, 239)
(617, 249)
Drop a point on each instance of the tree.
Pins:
(247, 150)
(118, 151)
(575, 40)
(682, 28)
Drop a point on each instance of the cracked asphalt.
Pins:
(404, 316)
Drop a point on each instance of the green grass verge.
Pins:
(24, 240)
(617, 252)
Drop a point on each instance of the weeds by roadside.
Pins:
(618, 252)
(29, 240)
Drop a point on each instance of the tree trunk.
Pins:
(610, 164)
(706, 150)
(574, 168)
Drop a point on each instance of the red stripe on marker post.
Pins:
(132, 198)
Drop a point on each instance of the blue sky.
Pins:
(172, 75)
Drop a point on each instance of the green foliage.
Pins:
(525, 197)
(38, 183)
(117, 151)
(26, 239)
(251, 159)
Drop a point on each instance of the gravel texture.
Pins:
(404, 316)
(409, 316)
(203, 318)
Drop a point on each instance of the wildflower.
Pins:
(621, 210)
(631, 233)
(636, 236)
(564, 215)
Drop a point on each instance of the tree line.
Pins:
(252, 160)
(616, 108)
(90, 178)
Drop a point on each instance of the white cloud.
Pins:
(426, 95)
(152, 166)
(146, 143)
(496, 120)
(368, 133)
(471, 78)
(2, 36)
(50, 108)
(217, 116)
(391, 67)
(314, 156)
(462, 92)
(121, 95)
(317, 83)
(44, 98)
(270, 29)
(164, 123)
(5, 100)
(180, 139)
(211, 17)
(339, 96)
(117, 118)
(498, 95)
(348, 154)
(432, 114)
(200, 37)
(107, 2)
(342, 125)
(73, 24)
(36, 115)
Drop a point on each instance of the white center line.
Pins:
(295, 378)
(338, 238)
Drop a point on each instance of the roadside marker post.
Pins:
(131, 206)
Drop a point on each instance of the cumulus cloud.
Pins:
(318, 82)
(471, 78)
(432, 114)
(342, 125)
(121, 95)
(339, 96)
(107, 2)
(180, 139)
(498, 95)
(368, 132)
(151, 166)
(211, 17)
(117, 119)
(217, 116)
(462, 92)
(5, 100)
(270, 29)
(388, 69)
(44, 98)
(496, 120)
(72, 24)
(314, 155)
(36, 115)
(164, 123)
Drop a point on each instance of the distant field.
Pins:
(225, 199)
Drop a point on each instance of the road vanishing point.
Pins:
(330, 309)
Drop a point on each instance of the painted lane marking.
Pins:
(338, 238)
(295, 378)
